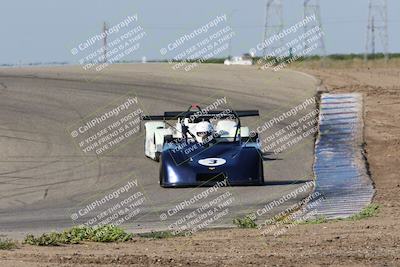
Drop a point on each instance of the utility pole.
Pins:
(230, 39)
(105, 41)
(377, 28)
(273, 24)
(373, 36)
(312, 8)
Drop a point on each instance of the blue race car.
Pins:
(204, 148)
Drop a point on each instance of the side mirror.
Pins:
(253, 136)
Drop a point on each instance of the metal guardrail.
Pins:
(339, 166)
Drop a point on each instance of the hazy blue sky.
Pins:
(46, 30)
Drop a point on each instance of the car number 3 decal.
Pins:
(212, 162)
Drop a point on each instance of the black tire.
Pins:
(157, 157)
(161, 175)
(262, 182)
(144, 147)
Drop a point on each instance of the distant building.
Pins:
(246, 59)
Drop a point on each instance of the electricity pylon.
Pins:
(273, 24)
(312, 8)
(377, 28)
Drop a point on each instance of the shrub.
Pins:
(247, 221)
(76, 235)
(6, 244)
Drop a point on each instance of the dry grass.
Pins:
(348, 64)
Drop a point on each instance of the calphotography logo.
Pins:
(106, 130)
(202, 44)
(212, 162)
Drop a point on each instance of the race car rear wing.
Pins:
(173, 115)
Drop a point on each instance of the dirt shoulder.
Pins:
(370, 242)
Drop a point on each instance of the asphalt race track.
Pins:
(45, 179)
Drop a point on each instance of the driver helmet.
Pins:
(204, 130)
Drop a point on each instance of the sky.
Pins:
(47, 30)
